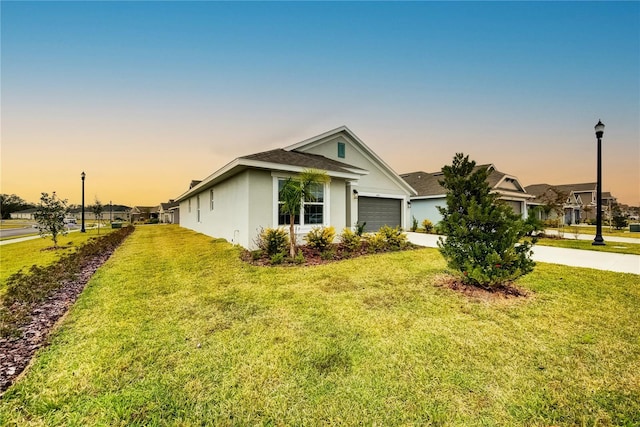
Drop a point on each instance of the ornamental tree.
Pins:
(50, 215)
(97, 210)
(485, 240)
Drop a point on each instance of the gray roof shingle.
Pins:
(305, 160)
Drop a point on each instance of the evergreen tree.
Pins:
(483, 234)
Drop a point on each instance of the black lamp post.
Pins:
(599, 241)
(82, 175)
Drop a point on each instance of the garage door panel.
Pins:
(377, 212)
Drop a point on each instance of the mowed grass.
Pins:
(615, 247)
(22, 255)
(175, 330)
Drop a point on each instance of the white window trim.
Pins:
(211, 201)
(326, 219)
(198, 217)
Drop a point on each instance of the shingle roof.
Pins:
(305, 160)
(426, 184)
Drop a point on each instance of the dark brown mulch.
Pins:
(500, 292)
(314, 257)
(16, 351)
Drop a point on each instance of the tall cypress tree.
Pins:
(484, 237)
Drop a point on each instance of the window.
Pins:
(211, 199)
(198, 207)
(341, 150)
(312, 207)
(189, 205)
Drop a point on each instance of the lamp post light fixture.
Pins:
(82, 175)
(599, 241)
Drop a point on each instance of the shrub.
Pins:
(277, 258)
(388, 239)
(351, 241)
(272, 241)
(299, 259)
(427, 225)
(320, 238)
(414, 224)
(394, 238)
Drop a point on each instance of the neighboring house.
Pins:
(144, 213)
(579, 201)
(431, 194)
(240, 199)
(23, 214)
(169, 212)
(109, 213)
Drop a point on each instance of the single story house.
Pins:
(144, 213)
(168, 213)
(430, 194)
(241, 198)
(23, 214)
(579, 201)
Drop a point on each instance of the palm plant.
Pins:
(293, 192)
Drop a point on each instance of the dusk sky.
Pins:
(146, 96)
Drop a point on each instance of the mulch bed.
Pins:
(314, 257)
(16, 351)
(500, 292)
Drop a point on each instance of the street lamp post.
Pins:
(82, 175)
(599, 241)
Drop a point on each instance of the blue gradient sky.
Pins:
(146, 96)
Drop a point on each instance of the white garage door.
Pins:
(376, 212)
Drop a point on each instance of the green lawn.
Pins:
(616, 247)
(175, 330)
(15, 256)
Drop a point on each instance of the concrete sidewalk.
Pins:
(569, 235)
(621, 263)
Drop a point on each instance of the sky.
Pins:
(146, 96)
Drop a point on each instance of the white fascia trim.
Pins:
(507, 176)
(504, 193)
(240, 162)
(365, 151)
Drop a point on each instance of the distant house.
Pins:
(144, 213)
(23, 214)
(432, 195)
(580, 201)
(243, 197)
(169, 213)
(109, 213)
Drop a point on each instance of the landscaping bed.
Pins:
(36, 300)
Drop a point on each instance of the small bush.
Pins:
(414, 224)
(299, 259)
(320, 238)
(351, 241)
(272, 241)
(554, 223)
(427, 225)
(257, 254)
(395, 238)
(277, 258)
(388, 239)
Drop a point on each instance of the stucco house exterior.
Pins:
(241, 198)
(580, 201)
(430, 194)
